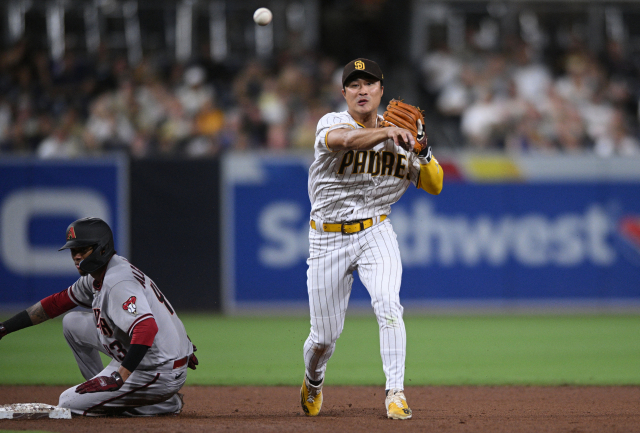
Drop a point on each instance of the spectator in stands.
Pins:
(457, 94)
(482, 120)
(176, 129)
(106, 128)
(440, 68)
(617, 140)
(208, 124)
(304, 130)
(30, 130)
(597, 114)
(497, 99)
(60, 144)
(529, 133)
(152, 99)
(532, 79)
(579, 83)
(194, 93)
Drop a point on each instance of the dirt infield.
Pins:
(435, 409)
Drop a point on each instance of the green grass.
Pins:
(442, 350)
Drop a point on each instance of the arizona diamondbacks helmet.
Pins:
(91, 232)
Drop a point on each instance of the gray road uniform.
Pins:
(125, 299)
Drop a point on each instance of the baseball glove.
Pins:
(408, 117)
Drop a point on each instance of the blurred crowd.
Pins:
(511, 100)
(517, 101)
(85, 106)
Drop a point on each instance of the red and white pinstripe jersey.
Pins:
(126, 298)
(350, 185)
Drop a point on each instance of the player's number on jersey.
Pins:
(116, 346)
(137, 273)
(161, 297)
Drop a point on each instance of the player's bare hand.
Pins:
(101, 384)
(3, 331)
(401, 137)
(193, 360)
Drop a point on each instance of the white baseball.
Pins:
(262, 16)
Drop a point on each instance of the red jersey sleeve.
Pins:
(144, 332)
(57, 304)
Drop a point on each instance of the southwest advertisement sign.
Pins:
(38, 200)
(506, 240)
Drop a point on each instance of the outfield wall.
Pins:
(504, 232)
(232, 234)
(171, 233)
(175, 229)
(38, 200)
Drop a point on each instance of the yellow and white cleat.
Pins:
(396, 403)
(311, 398)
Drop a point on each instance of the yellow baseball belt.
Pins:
(348, 227)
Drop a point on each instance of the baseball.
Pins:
(262, 16)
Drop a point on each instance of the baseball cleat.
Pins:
(181, 397)
(311, 398)
(396, 403)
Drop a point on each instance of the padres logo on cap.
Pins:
(359, 65)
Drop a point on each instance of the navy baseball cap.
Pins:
(362, 66)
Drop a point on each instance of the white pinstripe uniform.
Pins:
(344, 186)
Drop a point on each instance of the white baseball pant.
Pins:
(374, 253)
(145, 393)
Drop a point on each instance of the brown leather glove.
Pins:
(408, 117)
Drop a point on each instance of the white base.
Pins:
(33, 411)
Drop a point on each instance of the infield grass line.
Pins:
(441, 350)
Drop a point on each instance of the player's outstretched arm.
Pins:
(431, 174)
(367, 138)
(37, 314)
(29, 317)
(48, 308)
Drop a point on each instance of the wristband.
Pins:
(117, 378)
(426, 154)
(18, 322)
(134, 356)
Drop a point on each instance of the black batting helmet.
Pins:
(91, 232)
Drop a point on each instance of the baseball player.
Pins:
(359, 171)
(131, 321)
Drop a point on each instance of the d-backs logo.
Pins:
(130, 305)
(71, 234)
